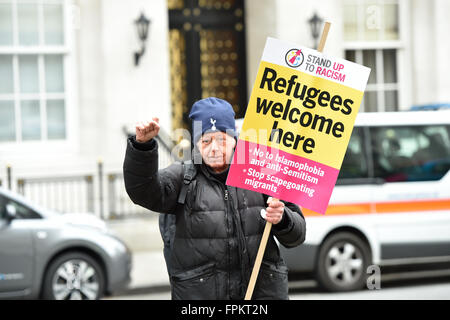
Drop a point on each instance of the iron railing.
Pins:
(63, 194)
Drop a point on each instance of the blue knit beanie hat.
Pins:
(212, 114)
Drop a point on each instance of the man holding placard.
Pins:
(294, 137)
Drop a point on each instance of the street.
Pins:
(433, 288)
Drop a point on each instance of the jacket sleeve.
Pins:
(146, 186)
(291, 230)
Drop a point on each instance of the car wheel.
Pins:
(73, 276)
(342, 262)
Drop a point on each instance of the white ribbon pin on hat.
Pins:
(213, 122)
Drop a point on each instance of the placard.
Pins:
(298, 124)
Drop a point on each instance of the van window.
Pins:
(411, 153)
(354, 165)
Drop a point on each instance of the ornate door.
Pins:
(207, 55)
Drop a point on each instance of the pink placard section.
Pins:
(282, 175)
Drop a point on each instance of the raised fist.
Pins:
(147, 130)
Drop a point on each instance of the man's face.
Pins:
(216, 149)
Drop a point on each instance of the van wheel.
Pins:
(342, 262)
(73, 276)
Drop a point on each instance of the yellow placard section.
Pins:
(299, 118)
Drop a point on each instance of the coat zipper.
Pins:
(227, 213)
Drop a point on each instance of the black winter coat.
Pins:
(218, 229)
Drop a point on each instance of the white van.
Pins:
(390, 206)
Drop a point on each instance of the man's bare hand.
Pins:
(274, 212)
(147, 130)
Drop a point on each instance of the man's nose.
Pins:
(214, 146)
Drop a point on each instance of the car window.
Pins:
(2, 207)
(411, 153)
(354, 165)
(22, 212)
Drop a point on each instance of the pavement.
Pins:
(141, 235)
(149, 272)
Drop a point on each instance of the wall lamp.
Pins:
(142, 26)
(315, 24)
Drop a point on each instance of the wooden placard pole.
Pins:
(323, 39)
(257, 265)
(268, 227)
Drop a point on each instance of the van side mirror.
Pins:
(11, 212)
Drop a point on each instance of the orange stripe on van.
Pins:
(383, 207)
